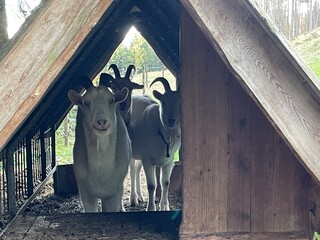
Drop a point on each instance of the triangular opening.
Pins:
(135, 50)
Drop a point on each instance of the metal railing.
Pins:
(23, 168)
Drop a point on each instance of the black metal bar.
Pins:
(11, 183)
(29, 166)
(43, 155)
(53, 152)
(53, 146)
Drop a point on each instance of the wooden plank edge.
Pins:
(269, 26)
(302, 235)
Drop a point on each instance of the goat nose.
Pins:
(171, 121)
(101, 122)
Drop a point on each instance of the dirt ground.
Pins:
(46, 202)
(60, 210)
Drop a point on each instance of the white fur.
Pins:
(102, 149)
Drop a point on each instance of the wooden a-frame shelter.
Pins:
(250, 107)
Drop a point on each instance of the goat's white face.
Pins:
(98, 107)
(169, 108)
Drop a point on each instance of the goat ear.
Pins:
(157, 95)
(74, 97)
(121, 95)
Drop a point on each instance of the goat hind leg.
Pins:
(134, 176)
(138, 185)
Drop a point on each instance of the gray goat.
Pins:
(156, 136)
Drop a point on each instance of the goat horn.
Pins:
(115, 70)
(129, 70)
(85, 81)
(164, 82)
(105, 79)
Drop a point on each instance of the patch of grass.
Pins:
(63, 153)
(307, 46)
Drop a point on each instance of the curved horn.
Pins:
(164, 82)
(115, 70)
(129, 70)
(85, 81)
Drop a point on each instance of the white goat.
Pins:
(102, 149)
(156, 136)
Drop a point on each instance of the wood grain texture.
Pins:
(264, 70)
(272, 194)
(239, 161)
(254, 236)
(204, 142)
(239, 175)
(39, 54)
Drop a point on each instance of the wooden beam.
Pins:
(277, 81)
(38, 56)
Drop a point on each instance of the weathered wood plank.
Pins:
(254, 236)
(265, 187)
(264, 70)
(239, 151)
(39, 54)
(272, 195)
(204, 125)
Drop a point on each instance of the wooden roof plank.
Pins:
(42, 51)
(267, 73)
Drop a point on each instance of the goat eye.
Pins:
(110, 101)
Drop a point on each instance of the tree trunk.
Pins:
(3, 23)
(66, 131)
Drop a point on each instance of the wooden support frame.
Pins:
(240, 179)
(25, 82)
(285, 90)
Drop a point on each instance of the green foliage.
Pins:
(307, 46)
(316, 236)
(139, 54)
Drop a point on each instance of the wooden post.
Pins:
(10, 183)
(29, 165)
